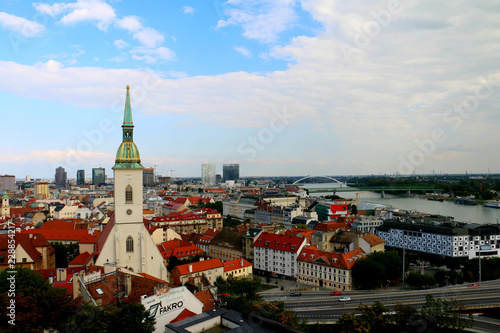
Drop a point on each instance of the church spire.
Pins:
(127, 156)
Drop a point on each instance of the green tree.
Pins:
(39, 306)
(403, 319)
(131, 318)
(445, 314)
(354, 209)
(420, 281)
(377, 268)
(372, 319)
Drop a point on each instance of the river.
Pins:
(473, 214)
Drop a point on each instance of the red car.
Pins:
(335, 293)
(474, 285)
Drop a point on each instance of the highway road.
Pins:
(322, 307)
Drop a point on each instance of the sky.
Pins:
(282, 87)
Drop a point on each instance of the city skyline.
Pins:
(280, 88)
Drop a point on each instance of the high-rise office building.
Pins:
(61, 176)
(98, 176)
(148, 177)
(7, 183)
(41, 190)
(230, 172)
(218, 179)
(80, 177)
(208, 173)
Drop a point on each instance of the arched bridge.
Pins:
(308, 177)
(374, 189)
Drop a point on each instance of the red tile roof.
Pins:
(26, 243)
(206, 298)
(330, 226)
(200, 266)
(179, 249)
(108, 284)
(235, 264)
(373, 239)
(80, 236)
(104, 235)
(58, 224)
(82, 259)
(207, 237)
(339, 260)
(183, 315)
(279, 242)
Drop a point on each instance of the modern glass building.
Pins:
(208, 173)
(230, 172)
(61, 176)
(80, 177)
(98, 176)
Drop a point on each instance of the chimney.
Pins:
(61, 274)
(190, 267)
(241, 262)
(76, 285)
(128, 284)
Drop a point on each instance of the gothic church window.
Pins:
(130, 244)
(128, 195)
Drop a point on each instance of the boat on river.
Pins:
(492, 204)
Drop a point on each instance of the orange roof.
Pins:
(178, 248)
(183, 315)
(286, 243)
(373, 239)
(200, 266)
(206, 298)
(340, 260)
(82, 259)
(235, 264)
(58, 224)
(80, 236)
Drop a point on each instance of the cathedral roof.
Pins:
(127, 156)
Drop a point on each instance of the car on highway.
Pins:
(335, 293)
(295, 294)
(474, 285)
(344, 299)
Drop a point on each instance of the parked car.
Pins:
(344, 299)
(295, 294)
(335, 293)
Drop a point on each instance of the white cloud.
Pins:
(21, 26)
(120, 43)
(130, 23)
(49, 66)
(261, 19)
(188, 10)
(151, 56)
(82, 10)
(149, 37)
(243, 50)
(393, 92)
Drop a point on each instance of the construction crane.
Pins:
(171, 172)
(357, 202)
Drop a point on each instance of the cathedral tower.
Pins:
(129, 244)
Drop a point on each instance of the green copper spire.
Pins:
(127, 156)
(5, 195)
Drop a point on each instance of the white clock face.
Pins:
(128, 179)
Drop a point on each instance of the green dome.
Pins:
(127, 156)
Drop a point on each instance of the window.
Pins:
(128, 194)
(130, 244)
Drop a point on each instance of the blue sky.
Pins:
(282, 87)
